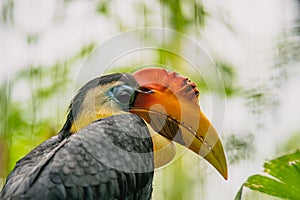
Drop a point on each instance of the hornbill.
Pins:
(119, 128)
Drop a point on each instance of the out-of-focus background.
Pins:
(254, 44)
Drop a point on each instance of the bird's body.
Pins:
(105, 149)
(91, 164)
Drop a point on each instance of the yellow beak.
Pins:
(169, 103)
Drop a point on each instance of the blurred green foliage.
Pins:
(6, 11)
(228, 74)
(290, 143)
(239, 147)
(103, 7)
(23, 125)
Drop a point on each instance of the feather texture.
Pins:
(111, 158)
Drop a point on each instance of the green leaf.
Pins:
(239, 194)
(284, 181)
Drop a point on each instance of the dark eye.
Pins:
(124, 94)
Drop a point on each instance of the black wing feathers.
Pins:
(110, 159)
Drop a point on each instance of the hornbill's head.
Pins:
(167, 101)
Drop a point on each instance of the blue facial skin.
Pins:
(123, 95)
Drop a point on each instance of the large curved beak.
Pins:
(169, 103)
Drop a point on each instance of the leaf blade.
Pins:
(284, 179)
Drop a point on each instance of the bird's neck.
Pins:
(82, 120)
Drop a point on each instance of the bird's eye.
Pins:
(124, 94)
